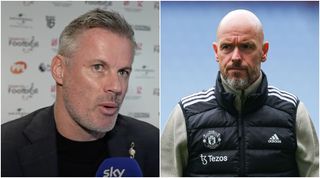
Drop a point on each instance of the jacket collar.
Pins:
(255, 96)
(41, 153)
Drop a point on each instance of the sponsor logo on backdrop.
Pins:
(139, 48)
(133, 6)
(156, 5)
(19, 112)
(144, 72)
(62, 3)
(25, 91)
(101, 4)
(53, 89)
(18, 67)
(26, 44)
(139, 90)
(134, 93)
(141, 27)
(54, 44)
(44, 67)
(27, 3)
(20, 21)
(156, 91)
(139, 114)
(51, 21)
(156, 48)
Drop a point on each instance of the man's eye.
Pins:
(124, 73)
(246, 46)
(97, 67)
(225, 46)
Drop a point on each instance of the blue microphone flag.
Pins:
(119, 167)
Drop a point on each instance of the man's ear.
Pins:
(265, 49)
(215, 49)
(57, 68)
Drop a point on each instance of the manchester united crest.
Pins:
(211, 139)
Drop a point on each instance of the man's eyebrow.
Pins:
(100, 61)
(225, 43)
(126, 68)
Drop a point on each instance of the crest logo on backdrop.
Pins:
(51, 21)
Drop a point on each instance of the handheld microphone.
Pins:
(119, 167)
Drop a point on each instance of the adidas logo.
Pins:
(274, 139)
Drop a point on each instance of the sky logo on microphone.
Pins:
(113, 172)
(119, 167)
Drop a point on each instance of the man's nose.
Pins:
(113, 84)
(236, 56)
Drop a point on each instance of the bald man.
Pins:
(242, 126)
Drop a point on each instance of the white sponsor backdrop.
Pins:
(29, 40)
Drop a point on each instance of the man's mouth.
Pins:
(109, 108)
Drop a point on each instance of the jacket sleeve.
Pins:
(307, 154)
(174, 153)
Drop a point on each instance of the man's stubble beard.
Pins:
(84, 120)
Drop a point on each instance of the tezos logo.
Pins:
(18, 67)
(205, 159)
(211, 139)
(113, 172)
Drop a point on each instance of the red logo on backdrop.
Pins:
(138, 3)
(133, 6)
(54, 42)
(139, 90)
(18, 67)
(139, 46)
(53, 88)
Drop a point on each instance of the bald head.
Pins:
(240, 20)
